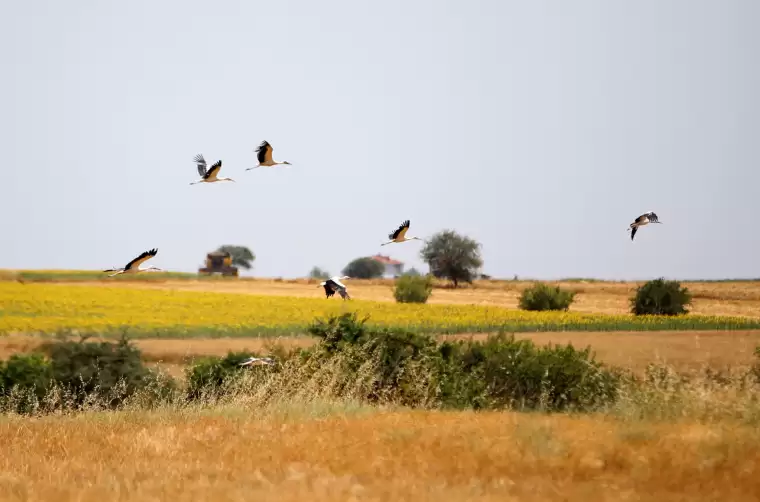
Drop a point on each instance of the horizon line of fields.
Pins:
(41, 308)
(65, 275)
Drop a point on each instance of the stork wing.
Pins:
(264, 152)
(201, 164)
(213, 172)
(147, 255)
(633, 232)
(329, 291)
(336, 281)
(344, 294)
(400, 231)
(257, 361)
(642, 218)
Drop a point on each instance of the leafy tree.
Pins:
(452, 256)
(241, 256)
(318, 273)
(364, 268)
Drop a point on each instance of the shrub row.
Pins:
(657, 297)
(393, 366)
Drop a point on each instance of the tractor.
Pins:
(219, 262)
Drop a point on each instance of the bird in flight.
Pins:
(211, 175)
(133, 267)
(333, 284)
(264, 155)
(258, 361)
(642, 220)
(399, 235)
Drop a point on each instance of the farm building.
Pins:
(393, 268)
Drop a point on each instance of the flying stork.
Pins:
(333, 284)
(133, 267)
(399, 235)
(258, 361)
(642, 220)
(264, 155)
(209, 176)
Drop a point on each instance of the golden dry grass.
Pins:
(684, 351)
(307, 454)
(740, 298)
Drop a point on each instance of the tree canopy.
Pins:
(318, 273)
(364, 268)
(241, 256)
(452, 256)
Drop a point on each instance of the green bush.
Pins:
(413, 289)
(541, 296)
(504, 372)
(213, 376)
(367, 363)
(337, 331)
(25, 379)
(98, 372)
(660, 297)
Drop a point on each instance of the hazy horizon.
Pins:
(539, 129)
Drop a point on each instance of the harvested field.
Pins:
(311, 452)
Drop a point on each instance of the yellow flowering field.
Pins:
(50, 308)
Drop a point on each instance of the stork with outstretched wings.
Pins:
(333, 284)
(133, 266)
(264, 156)
(642, 220)
(212, 174)
(258, 361)
(399, 235)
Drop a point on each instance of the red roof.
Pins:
(386, 260)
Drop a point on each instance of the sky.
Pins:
(541, 129)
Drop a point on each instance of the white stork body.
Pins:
(133, 266)
(211, 175)
(264, 156)
(642, 220)
(399, 235)
(333, 284)
(258, 361)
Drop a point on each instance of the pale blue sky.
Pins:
(541, 129)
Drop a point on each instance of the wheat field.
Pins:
(323, 451)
